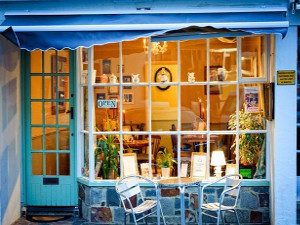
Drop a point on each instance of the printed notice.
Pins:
(251, 99)
(286, 77)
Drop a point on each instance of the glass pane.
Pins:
(49, 92)
(193, 60)
(106, 63)
(36, 87)
(253, 56)
(37, 138)
(107, 161)
(50, 138)
(222, 155)
(63, 64)
(36, 61)
(107, 111)
(164, 108)
(223, 52)
(64, 115)
(36, 113)
(63, 87)
(85, 108)
(135, 108)
(163, 52)
(50, 164)
(253, 156)
(252, 114)
(64, 139)
(85, 169)
(50, 112)
(37, 163)
(135, 57)
(164, 156)
(64, 164)
(193, 108)
(222, 105)
(49, 55)
(164, 66)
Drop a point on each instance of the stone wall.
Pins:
(102, 205)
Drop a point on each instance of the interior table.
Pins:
(181, 183)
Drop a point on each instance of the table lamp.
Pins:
(218, 160)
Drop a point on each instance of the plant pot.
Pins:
(165, 172)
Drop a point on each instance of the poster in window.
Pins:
(251, 99)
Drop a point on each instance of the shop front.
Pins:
(165, 96)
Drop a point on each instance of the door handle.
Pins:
(71, 111)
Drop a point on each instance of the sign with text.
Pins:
(286, 77)
(198, 164)
(108, 104)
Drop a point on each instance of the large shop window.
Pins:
(194, 106)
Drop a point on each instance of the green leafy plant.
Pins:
(250, 145)
(165, 159)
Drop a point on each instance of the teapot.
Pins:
(113, 79)
(135, 78)
(191, 77)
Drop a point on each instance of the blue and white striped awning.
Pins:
(71, 31)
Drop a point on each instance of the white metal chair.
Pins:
(128, 187)
(232, 185)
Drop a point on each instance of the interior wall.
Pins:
(10, 152)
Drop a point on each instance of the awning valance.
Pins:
(72, 31)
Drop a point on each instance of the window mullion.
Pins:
(208, 108)
(91, 114)
(150, 106)
(178, 109)
(121, 108)
(239, 74)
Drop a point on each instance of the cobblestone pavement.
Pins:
(69, 221)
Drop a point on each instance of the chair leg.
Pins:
(236, 215)
(218, 217)
(162, 214)
(125, 217)
(134, 218)
(223, 217)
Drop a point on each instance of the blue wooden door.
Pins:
(49, 98)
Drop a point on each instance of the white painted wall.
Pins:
(283, 153)
(10, 147)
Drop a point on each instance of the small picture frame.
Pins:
(106, 66)
(198, 164)
(127, 79)
(130, 165)
(145, 172)
(101, 96)
(184, 169)
(113, 90)
(128, 98)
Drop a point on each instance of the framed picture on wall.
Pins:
(128, 98)
(127, 79)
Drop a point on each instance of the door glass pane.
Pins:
(48, 84)
(193, 60)
(64, 139)
(50, 164)
(64, 164)
(50, 111)
(37, 163)
(85, 108)
(37, 138)
(36, 87)
(50, 136)
(63, 63)
(36, 61)
(223, 52)
(64, 114)
(48, 62)
(36, 113)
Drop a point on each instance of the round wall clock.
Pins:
(163, 75)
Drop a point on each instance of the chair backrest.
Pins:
(155, 144)
(232, 187)
(174, 138)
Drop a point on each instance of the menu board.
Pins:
(198, 167)
(130, 164)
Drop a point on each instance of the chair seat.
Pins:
(215, 206)
(145, 206)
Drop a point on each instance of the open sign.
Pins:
(110, 104)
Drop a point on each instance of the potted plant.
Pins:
(251, 145)
(165, 161)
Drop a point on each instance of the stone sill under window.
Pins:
(112, 183)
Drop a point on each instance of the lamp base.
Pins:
(218, 171)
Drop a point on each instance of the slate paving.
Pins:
(69, 221)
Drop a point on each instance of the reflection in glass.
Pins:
(252, 156)
(64, 139)
(36, 113)
(223, 52)
(164, 108)
(222, 106)
(50, 164)
(193, 59)
(64, 117)
(85, 169)
(50, 138)
(253, 56)
(36, 138)
(64, 164)
(63, 64)
(36, 61)
(37, 163)
(49, 92)
(50, 112)
(85, 108)
(48, 59)
(36, 87)
(193, 108)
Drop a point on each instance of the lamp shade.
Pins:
(218, 158)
